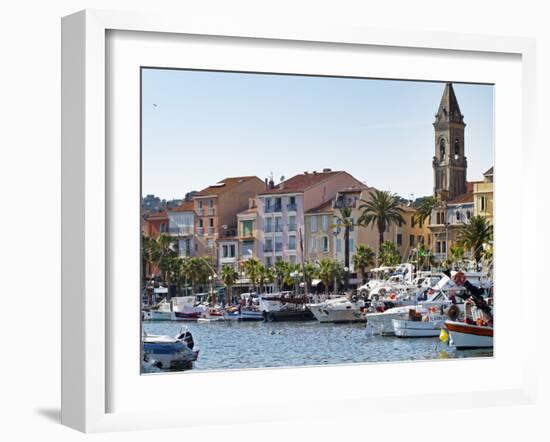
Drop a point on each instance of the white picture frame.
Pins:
(87, 212)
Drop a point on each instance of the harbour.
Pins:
(226, 345)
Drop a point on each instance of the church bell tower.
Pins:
(449, 162)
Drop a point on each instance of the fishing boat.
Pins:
(418, 325)
(185, 308)
(285, 306)
(465, 336)
(161, 312)
(170, 352)
(249, 309)
(339, 310)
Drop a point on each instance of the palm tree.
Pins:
(382, 210)
(309, 270)
(229, 276)
(345, 220)
(456, 255)
(325, 272)
(475, 234)
(265, 276)
(198, 271)
(252, 269)
(363, 259)
(280, 270)
(424, 258)
(389, 255)
(424, 210)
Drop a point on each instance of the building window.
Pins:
(420, 239)
(412, 221)
(292, 200)
(442, 148)
(312, 245)
(399, 239)
(292, 223)
(351, 245)
(411, 240)
(457, 149)
(325, 222)
(210, 204)
(457, 215)
(162, 227)
(268, 223)
(292, 259)
(441, 247)
(211, 222)
(468, 214)
(324, 243)
(313, 223)
(200, 223)
(268, 261)
(267, 204)
(338, 245)
(279, 245)
(482, 203)
(200, 204)
(246, 228)
(209, 244)
(292, 242)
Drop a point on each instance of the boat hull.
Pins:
(289, 315)
(251, 315)
(183, 316)
(416, 329)
(382, 323)
(153, 315)
(464, 336)
(324, 314)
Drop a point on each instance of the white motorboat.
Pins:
(161, 312)
(338, 310)
(464, 336)
(185, 308)
(405, 328)
(169, 352)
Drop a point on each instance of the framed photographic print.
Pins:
(303, 216)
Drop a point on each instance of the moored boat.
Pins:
(285, 306)
(185, 308)
(161, 312)
(170, 352)
(405, 328)
(464, 336)
(339, 310)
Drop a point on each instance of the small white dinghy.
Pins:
(417, 329)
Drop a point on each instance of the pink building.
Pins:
(281, 208)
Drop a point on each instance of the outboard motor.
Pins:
(187, 337)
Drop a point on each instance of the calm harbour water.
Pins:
(237, 345)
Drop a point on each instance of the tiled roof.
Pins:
(225, 185)
(302, 182)
(186, 206)
(156, 215)
(354, 189)
(467, 197)
(323, 208)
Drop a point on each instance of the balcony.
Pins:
(278, 228)
(268, 248)
(181, 230)
(210, 211)
(341, 203)
(291, 207)
(292, 227)
(273, 209)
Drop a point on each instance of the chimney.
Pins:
(314, 172)
(326, 169)
(271, 183)
(266, 185)
(305, 172)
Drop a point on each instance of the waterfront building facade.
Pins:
(319, 233)
(216, 209)
(155, 223)
(181, 226)
(281, 210)
(483, 196)
(247, 232)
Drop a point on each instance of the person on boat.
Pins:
(475, 296)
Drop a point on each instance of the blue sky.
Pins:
(199, 127)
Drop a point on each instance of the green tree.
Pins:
(327, 272)
(309, 271)
(229, 276)
(456, 256)
(382, 209)
(363, 259)
(424, 258)
(344, 220)
(252, 270)
(476, 233)
(389, 255)
(198, 271)
(424, 210)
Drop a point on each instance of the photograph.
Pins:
(305, 220)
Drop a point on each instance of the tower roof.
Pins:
(449, 111)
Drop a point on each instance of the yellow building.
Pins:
(483, 196)
(319, 236)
